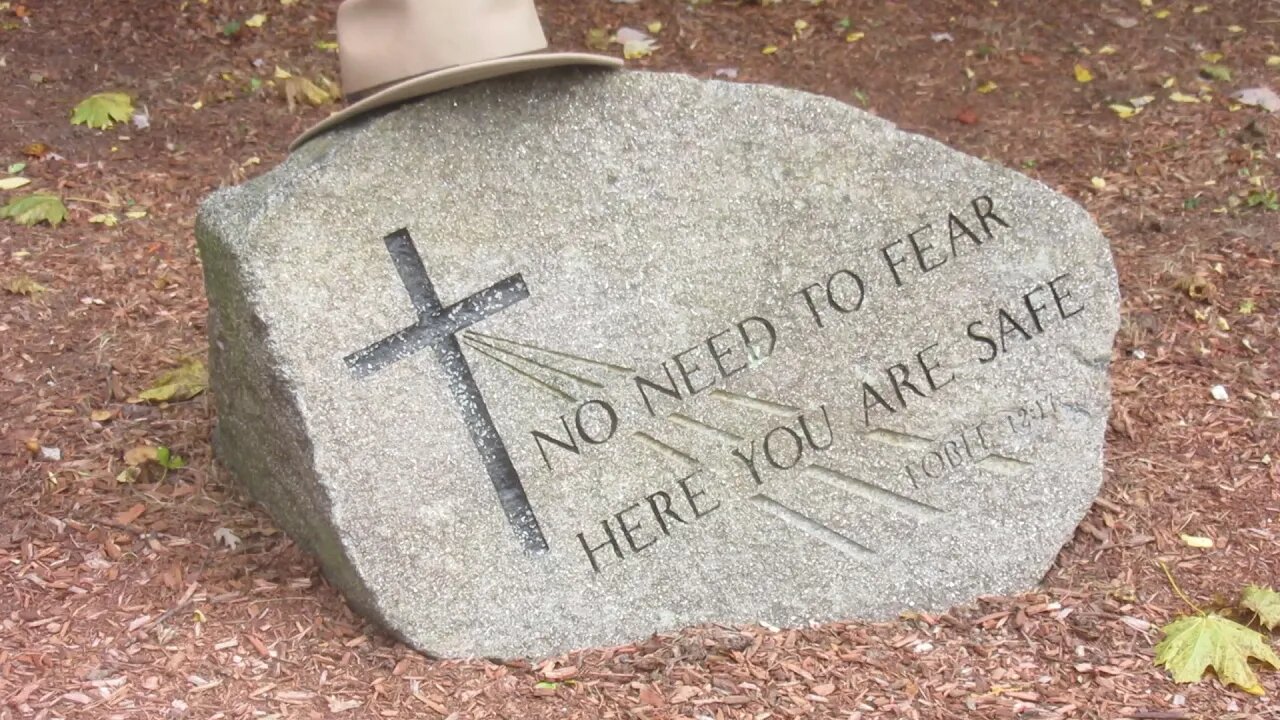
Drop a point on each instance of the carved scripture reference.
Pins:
(437, 328)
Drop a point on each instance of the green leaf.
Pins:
(1216, 72)
(166, 459)
(23, 285)
(1264, 601)
(1192, 644)
(181, 383)
(16, 168)
(103, 110)
(35, 209)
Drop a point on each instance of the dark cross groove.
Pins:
(437, 328)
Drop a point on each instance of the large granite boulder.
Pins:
(568, 358)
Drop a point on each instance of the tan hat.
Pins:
(394, 50)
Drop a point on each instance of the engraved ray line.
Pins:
(619, 369)
(538, 382)
(756, 404)
(683, 459)
(1003, 464)
(899, 439)
(549, 368)
(724, 437)
(901, 503)
(810, 527)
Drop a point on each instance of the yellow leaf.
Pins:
(23, 285)
(182, 383)
(1194, 644)
(801, 25)
(854, 37)
(769, 49)
(1264, 602)
(136, 214)
(13, 183)
(197, 105)
(1083, 74)
(1197, 541)
(256, 21)
(287, 3)
(598, 39)
(1162, 14)
(1235, 29)
(1180, 97)
(1273, 61)
(654, 27)
(136, 456)
(105, 219)
(1107, 50)
(325, 45)
(635, 49)
(282, 74)
(1200, 9)
(1124, 111)
(1169, 82)
(100, 415)
(1098, 182)
(987, 87)
(1144, 3)
(1211, 56)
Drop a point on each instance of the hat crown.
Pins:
(381, 41)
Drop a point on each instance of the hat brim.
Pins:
(453, 77)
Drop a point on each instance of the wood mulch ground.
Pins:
(119, 600)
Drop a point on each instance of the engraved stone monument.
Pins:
(565, 359)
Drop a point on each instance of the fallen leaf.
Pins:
(1197, 541)
(136, 214)
(1098, 183)
(181, 383)
(23, 285)
(105, 219)
(1264, 602)
(128, 516)
(635, 43)
(1162, 14)
(967, 116)
(337, 705)
(1193, 644)
(226, 537)
(1263, 97)
(35, 150)
(300, 88)
(1125, 22)
(16, 168)
(100, 416)
(854, 37)
(1124, 111)
(1273, 61)
(13, 183)
(1219, 393)
(139, 455)
(256, 21)
(1181, 97)
(35, 209)
(598, 39)
(103, 110)
(1083, 74)
(1216, 72)
(987, 87)
(769, 49)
